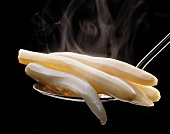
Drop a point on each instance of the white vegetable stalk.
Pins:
(55, 78)
(114, 67)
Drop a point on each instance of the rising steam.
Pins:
(92, 27)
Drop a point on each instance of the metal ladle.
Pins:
(105, 98)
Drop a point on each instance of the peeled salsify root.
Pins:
(151, 92)
(114, 67)
(101, 81)
(55, 78)
(142, 98)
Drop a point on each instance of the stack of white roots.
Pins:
(87, 76)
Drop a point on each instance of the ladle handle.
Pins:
(154, 52)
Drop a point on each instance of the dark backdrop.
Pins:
(36, 113)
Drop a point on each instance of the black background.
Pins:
(36, 113)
